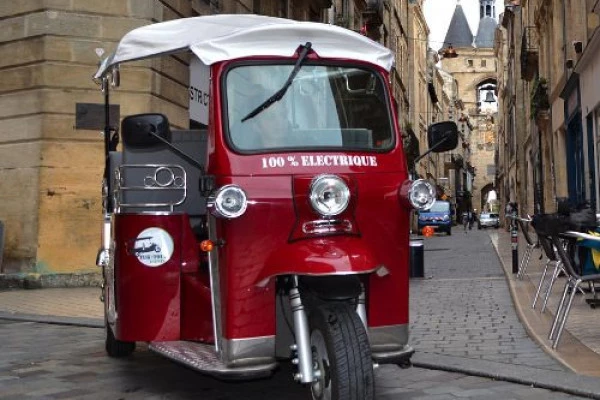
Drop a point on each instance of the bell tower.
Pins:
(487, 8)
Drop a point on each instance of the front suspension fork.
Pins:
(304, 360)
(302, 333)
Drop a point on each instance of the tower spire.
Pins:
(487, 24)
(459, 33)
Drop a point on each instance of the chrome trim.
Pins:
(109, 280)
(302, 334)
(431, 193)
(213, 203)
(327, 226)
(315, 200)
(202, 357)
(248, 351)
(150, 213)
(388, 338)
(103, 257)
(361, 308)
(380, 271)
(176, 182)
(401, 356)
(215, 285)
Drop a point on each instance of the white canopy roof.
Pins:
(215, 38)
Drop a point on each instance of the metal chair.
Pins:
(552, 259)
(571, 286)
(531, 245)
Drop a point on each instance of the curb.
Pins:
(565, 382)
(52, 319)
(39, 281)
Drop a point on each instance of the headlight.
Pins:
(421, 194)
(446, 218)
(228, 202)
(329, 195)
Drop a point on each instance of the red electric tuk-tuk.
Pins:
(276, 229)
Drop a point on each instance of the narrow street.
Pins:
(463, 306)
(462, 315)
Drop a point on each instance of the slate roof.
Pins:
(485, 33)
(459, 33)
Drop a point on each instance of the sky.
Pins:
(438, 14)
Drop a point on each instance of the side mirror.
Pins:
(140, 131)
(442, 136)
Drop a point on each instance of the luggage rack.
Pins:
(148, 187)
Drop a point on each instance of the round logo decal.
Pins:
(153, 247)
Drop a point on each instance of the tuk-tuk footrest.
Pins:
(203, 358)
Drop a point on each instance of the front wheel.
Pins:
(117, 348)
(341, 354)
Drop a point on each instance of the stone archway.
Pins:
(489, 202)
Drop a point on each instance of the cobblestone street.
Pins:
(463, 306)
(46, 361)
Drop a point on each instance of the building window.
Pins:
(483, 63)
(469, 63)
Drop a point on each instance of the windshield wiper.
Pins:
(278, 95)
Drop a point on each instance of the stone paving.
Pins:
(463, 307)
(48, 361)
(462, 320)
(59, 302)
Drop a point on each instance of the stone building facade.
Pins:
(51, 156)
(548, 51)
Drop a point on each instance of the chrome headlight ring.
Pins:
(329, 195)
(421, 194)
(229, 201)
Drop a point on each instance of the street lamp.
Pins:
(448, 52)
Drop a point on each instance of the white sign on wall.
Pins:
(199, 91)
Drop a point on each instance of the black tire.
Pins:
(116, 348)
(342, 352)
(449, 231)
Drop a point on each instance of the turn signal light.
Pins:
(207, 245)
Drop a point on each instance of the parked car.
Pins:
(439, 216)
(488, 220)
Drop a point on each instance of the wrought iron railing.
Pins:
(529, 53)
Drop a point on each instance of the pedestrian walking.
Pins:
(508, 210)
(472, 218)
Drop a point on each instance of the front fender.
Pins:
(338, 255)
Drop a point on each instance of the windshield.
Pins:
(325, 107)
(440, 206)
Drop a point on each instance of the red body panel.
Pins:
(172, 301)
(257, 244)
(151, 300)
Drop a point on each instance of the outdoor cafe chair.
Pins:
(574, 280)
(531, 245)
(551, 260)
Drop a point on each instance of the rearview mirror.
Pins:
(139, 131)
(442, 136)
